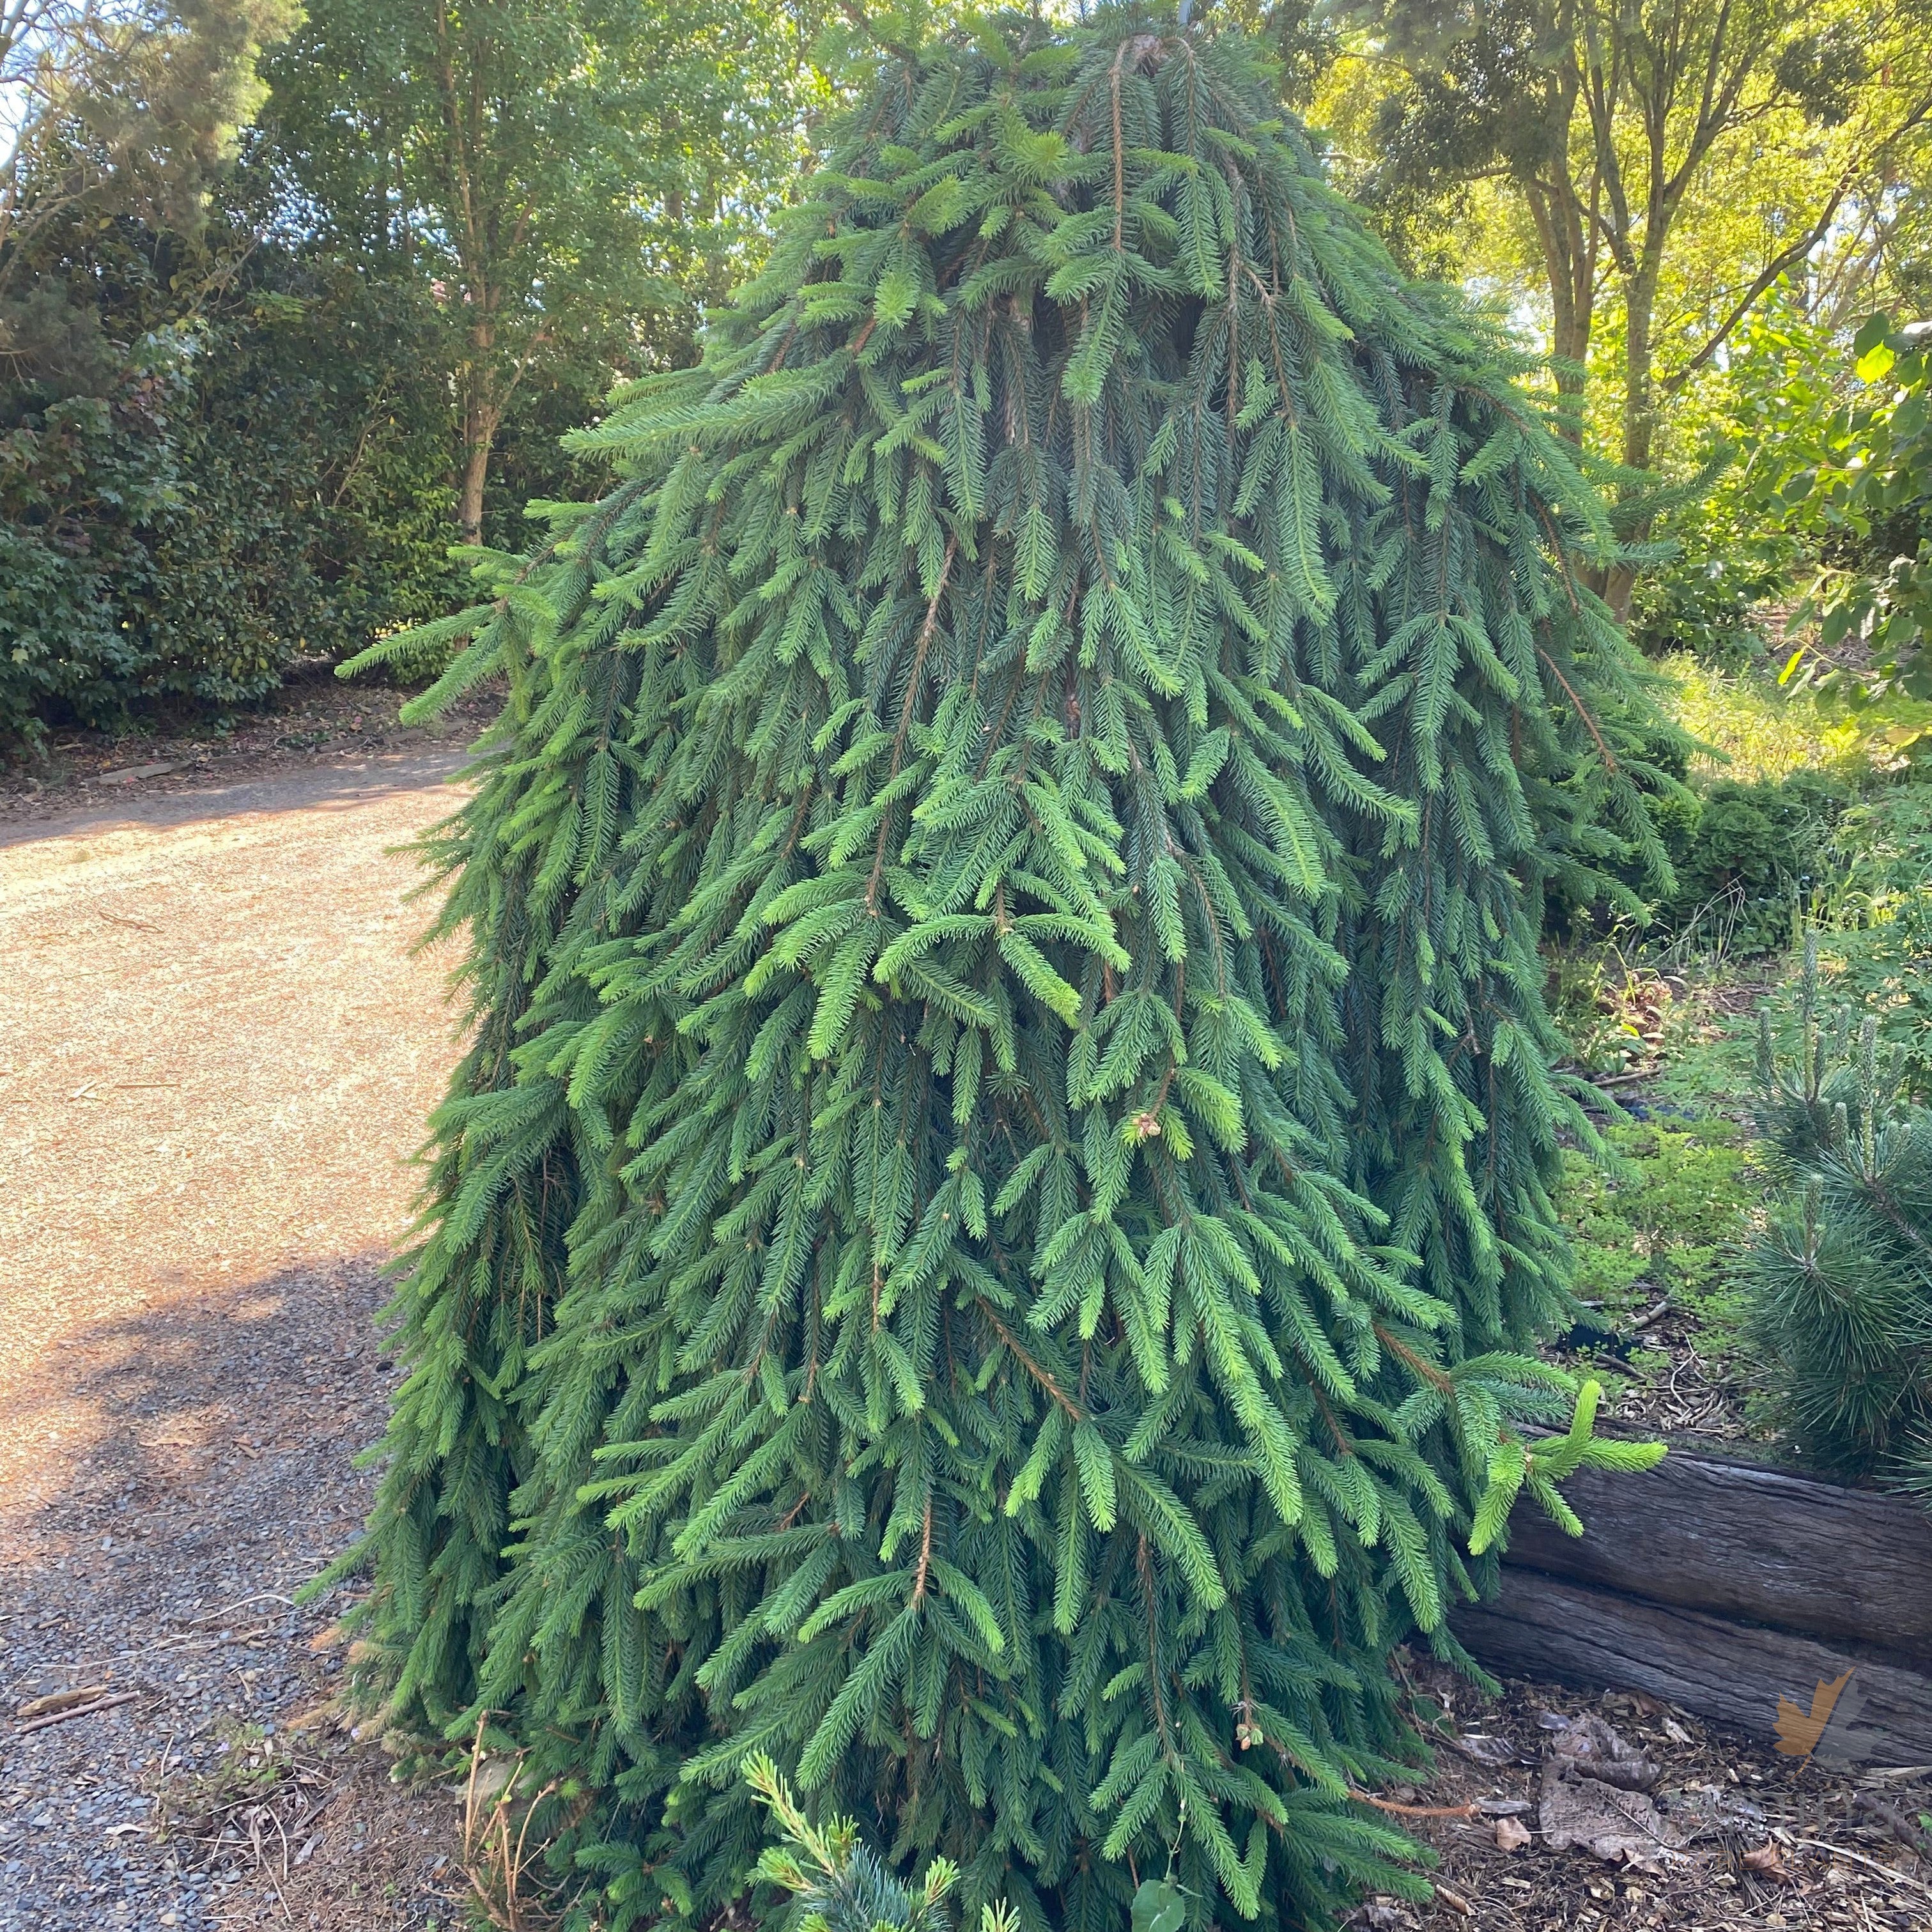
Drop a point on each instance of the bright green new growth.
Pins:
(986, 1244)
(836, 1880)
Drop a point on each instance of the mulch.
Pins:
(1768, 1841)
(217, 1055)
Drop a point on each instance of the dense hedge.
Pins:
(221, 451)
(205, 473)
(1747, 857)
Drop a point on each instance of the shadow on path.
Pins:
(205, 1472)
(338, 786)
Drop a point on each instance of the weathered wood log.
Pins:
(1738, 1541)
(1732, 1673)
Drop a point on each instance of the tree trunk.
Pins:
(476, 474)
(1570, 344)
(482, 416)
(1732, 1673)
(1569, 268)
(1639, 401)
(1639, 423)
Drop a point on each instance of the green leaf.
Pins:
(1875, 364)
(1159, 1905)
(1872, 331)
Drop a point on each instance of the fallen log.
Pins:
(1736, 1540)
(1732, 1673)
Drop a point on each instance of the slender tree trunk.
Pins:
(1639, 419)
(1639, 425)
(673, 199)
(475, 475)
(1570, 344)
(1569, 275)
(482, 416)
(1566, 236)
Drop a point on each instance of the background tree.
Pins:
(573, 177)
(239, 360)
(119, 120)
(134, 104)
(1630, 138)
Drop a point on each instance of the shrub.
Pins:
(79, 483)
(1839, 1284)
(1875, 920)
(187, 506)
(1710, 606)
(1749, 859)
(1857, 488)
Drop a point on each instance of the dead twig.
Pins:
(241, 1603)
(1888, 1872)
(1414, 1810)
(1914, 1837)
(59, 1700)
(76, 1711)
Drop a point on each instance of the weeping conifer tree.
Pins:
(987, 1242)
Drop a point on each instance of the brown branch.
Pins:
(906, 710)
(925, 1555)
(1027, 1362)
(1796, 252)
(1429, 1371)
(1414, 1810)
(76, 1711)
(1582, 711)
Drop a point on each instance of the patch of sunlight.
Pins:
(1765, 732)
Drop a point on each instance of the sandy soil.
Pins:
(217, 1053)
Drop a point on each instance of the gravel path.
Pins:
(216, 1055)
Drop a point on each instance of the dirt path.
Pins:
(216, 1056)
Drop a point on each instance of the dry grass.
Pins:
(499, 1815)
